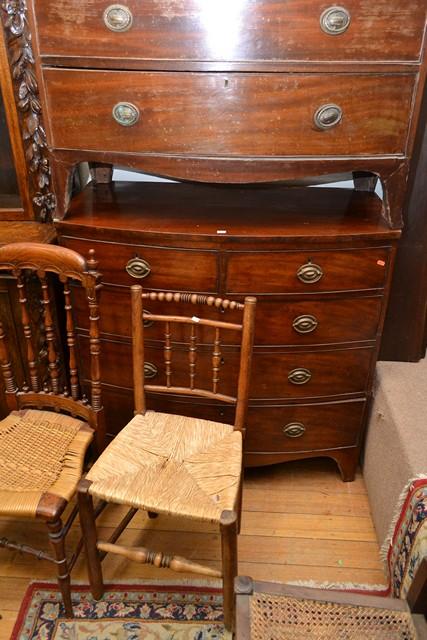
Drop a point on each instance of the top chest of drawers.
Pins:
(243, 91)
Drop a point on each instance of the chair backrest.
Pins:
(188, 368)
(52, 386)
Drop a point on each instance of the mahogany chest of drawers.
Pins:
(240, 92)
(319, 262)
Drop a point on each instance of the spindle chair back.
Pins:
(171, 464)
(43, 441)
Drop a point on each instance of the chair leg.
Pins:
(228, 527)
(56, 539)
(88, 526)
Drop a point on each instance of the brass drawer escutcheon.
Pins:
(309, 273)
(327, 116)
(118, 18)
(138, 268)
(294, 430)
(305, 324)
(335, 20)
(126, 114)
(299, 376)
(150, 370)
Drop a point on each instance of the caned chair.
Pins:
(284, 612)
(172, 464)
(50, 426)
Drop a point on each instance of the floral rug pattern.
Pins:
(155, 612)
(409, 543)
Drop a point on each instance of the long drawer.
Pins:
(248, 30)
(275, 373)
(302, 322)
(244, 114)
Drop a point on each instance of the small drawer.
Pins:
(154, 268)
(303, 427)
(306, 272)
(272, 115)
(261, 30)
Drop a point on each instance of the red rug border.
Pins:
(26, 600)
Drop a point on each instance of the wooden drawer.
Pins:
(304, 427)
(289, 323)
(261, 30)
(245, 114)
(283, 271)
(275, 374)
(172, 269)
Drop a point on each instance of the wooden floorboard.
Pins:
(300, 522)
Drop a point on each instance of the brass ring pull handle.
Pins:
(309, 273)
(299, 376)
(138, 268)
(294, 430)
(305, 324)
(150, 370)
(335, 20)
(327, 116)
(117, 17)
(126, 114)
(147, 322)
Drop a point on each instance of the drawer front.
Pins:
(277, 323)
(275, 374)
(246, 114)
(261, 30)
(306, 272)
(310, 427)
(172, 269)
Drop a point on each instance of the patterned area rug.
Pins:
(407, 542)
(154, 611)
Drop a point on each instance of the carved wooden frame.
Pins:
(23, 110)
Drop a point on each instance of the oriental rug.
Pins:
(155, 611)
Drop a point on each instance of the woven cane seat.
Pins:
(40, 452)
(286, 618)
(173, 465)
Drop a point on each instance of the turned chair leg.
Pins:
(88, 526)
(56, 539)
(228, 527)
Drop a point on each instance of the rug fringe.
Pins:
(338, 586)
(215, 583)
(400, 502)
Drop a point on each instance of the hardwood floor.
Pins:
(300, 522)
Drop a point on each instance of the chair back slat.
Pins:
(212, 390)
(95, 350)
(35, 264)
(216, 360)
(71, 342)
(50, 335)
(28, 335)
(6, 369)
(168, 353)
(192, 355)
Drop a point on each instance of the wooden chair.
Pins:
(285, 612)
(44, 439)
(171, 464)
